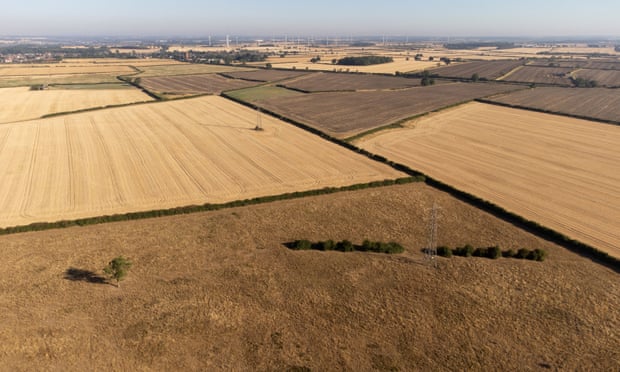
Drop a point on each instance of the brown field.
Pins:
(490, 70)
(597, 103)
(22, 103)
(606, 78)
(193, 84)
(60, 69)
(187, 69)
(579, 63)
(346, 114)
(219, 291)
(161, 156)
(264, 75)
(540, 75)
(561, 172)
(324, 82)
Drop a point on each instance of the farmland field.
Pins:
(400, 64)
(22, 103)
(192, 84)
(160, 156)
(540, 75)
(324, 82)
(60, 69)
(561, 172)
(489, 70)
(218, 290)
(349, 113)
(186, 69)
(608, 78)
(597, 103)
(27, 80)
(264, 75)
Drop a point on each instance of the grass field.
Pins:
(598, 103)
(219, 291)
(561, 172)
(349, 113)
(161, 156)
(23, 104)
(193, 84)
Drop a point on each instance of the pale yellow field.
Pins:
(399, 64)
(22, 103)
(161, 156)
(12, 70)
(561, 172)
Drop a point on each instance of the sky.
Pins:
(193, 18)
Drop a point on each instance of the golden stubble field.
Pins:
(22, 103)
(219, 291)
(561, 172)
(162, 155)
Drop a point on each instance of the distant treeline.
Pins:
(364, 60)
(474, 45)
(241, 56)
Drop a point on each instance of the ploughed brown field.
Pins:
(343, 114)
(489, 70)
(540, 75)
(324, 82)
(608, 78)
(185, 69)
(561, 172)
(163, 155)
(22, 103)
(219, 291)
(597, 103)
(192, 84)
(612, 64)
(264, 75)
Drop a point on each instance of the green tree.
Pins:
(475, 77)
(117, 269)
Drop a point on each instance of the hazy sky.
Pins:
(317, 17)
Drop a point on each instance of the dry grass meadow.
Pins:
(22, 103)
(162, 155)
(561, 172)
(219, 291)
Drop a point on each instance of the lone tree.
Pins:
(117, 269)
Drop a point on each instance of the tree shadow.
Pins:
(81, 275)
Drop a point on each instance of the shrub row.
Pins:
(493, 252)
(200, 208)
(346, 246)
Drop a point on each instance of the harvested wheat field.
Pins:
(219, 291)
(596, 103)
(187, 69)
(561, 172)
(23, 104)
(162, 155)
(29, 80)
(193, 84)
(59, 69)
(344, 114)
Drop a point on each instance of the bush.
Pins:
(326, 245)
(480, 252)
(522, 253)
(444, 251)
(468, 250)
(117, 269)
(345, 246)
(540, 254)
(302, 245)
(509, 253)
(494, 252)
